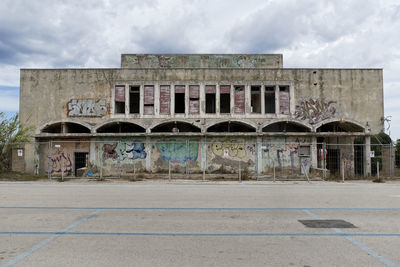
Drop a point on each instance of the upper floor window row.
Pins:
(186, 99)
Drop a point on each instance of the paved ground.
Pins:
(156, 223)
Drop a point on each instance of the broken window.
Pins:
(284, 106)
(239, 99)
(119, 99)
(148, 100)
(134, 99)
(179, 99)
(165, 99)
(210, 99)
(269, 99)
(194, 94)
(225, 99)
(256, 99)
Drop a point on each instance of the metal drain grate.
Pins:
(327, 224)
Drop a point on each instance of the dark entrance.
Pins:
(80, 161)
(333, 160)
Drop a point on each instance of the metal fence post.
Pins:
(49, 165)
(324, 161)
(169, 170)
(101, 167)
(62, 169)
(342, 168)
(205, 163)
(240, 177)
(377, 169)
(273, 166)
(119, 163)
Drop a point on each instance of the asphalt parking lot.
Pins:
(192, 223)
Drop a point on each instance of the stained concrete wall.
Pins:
(357, 94)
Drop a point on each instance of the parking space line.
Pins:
(48, 240)
(194, 209)
(205, 234)
(356, 242)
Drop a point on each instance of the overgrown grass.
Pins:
(19, 176)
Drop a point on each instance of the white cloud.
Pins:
(339, 34)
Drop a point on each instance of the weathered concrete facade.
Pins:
(204, 100)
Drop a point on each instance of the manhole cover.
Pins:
(327, 224)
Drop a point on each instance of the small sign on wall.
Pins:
(372, 154)
(226, 152)
(20, 152)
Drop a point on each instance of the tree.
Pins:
(11, 132)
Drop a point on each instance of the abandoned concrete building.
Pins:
(201, 112)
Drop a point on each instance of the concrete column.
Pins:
(127, 99)
(277, 111)
(141, 103)
(259, 154)
(263, 99)
(172, 110)
(92, 153)
(148, 149)
(157, 99)
(203, 148)
(314, 152)
(202, 99)
(186, 100)
(247, 99)
(217, 100)
(232, 99)
(292, 104)
(367, 161)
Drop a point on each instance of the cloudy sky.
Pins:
(309, 33)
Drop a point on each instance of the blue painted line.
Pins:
(350, 238)
(243, 185)
(48, 240)
(160, 208)
(204, 234)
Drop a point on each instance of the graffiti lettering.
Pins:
(61, 162)
(87, 108)
(232, 149)
(178, 152)
(121, 151)
(285, 155)
(315, 110)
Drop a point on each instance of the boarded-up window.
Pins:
(225, 99)
(120, 99)
(269, 99)
(194, 93)
(148, 100)
(210, 99)
(179, 99)
(284, 101)
(165, 99)
(239, 99)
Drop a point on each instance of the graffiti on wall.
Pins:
(280, 155)
(61, 162)
(178, 151)
(87, 108)
(315, 110)
(124, 150)
(228, 148)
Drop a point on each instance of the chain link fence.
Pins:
(217, 159)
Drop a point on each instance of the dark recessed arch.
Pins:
(340, 126)
(231, 127)
(175, 126)
(286, 126)
(121, 127)
(65, 127)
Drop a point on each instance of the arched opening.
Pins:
(285, 127)
(340, 126)
(231, 127)
(176, 127)
(65, 127)
(121, 127)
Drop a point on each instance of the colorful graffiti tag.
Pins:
(124, 150)
(315, 110)
(178, 151)
(87, 108)
(228, 148)
(61, 162)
